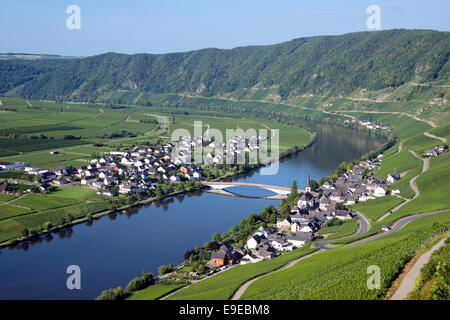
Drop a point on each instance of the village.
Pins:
(144, 169)
(128, 172)
(370, 125)
(309, 215)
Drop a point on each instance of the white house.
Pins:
(297, 241)
(392, 177)
(88, 180)
(126, 161)
(295, 227)
(249, 258)
(306, 200)
(253, 241)
(11, 165)
(379, 192)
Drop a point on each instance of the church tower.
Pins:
(308, 187)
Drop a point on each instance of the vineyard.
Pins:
(342, 273)
(223, 285)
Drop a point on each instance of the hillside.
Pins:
(326, 65)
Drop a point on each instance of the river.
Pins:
(114, 249)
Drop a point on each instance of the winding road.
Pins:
(408, 283)
(412, 184)
(322, 244)
(363, 227)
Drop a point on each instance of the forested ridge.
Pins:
(330, 65)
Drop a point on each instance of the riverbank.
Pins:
(142, 240)
(246, 169)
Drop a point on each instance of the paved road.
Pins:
(238, 294)
(363, 227)
(399, 224)
(412, 184)
(409, 281)
(195, 281)
(444, 140)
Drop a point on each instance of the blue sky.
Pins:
(160, 26)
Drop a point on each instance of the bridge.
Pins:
(218, 187)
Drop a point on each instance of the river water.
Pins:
(113, 250)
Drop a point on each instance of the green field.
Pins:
(43, 126)
(346, 228)
(6, 197)
(442, 131)
(32, 211)
(434, 186)
(9, 211)
(373, 209)
(46, 125)
(154, 292)
(75, 193)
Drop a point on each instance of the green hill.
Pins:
(328, 65)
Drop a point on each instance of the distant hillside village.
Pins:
(371, 125)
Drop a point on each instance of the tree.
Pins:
(148, 277)
(48, 226)
(340, 206)
(439, 290)
(314, 185)
(214, 246)
(118, 293)
(216, 237)
(294, 188)
(200, 269)
(188, 254)
(162, 270)
(25, 232)
(323, 180)
(69, 218)
(234, 229)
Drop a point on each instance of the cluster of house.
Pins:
(309, 215)
(122, 172)
(127, 172)
(263, 244)
(434, 152)
(234, 148)
(139, 169)
(4, 165)
(371, 125)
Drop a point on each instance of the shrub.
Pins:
(25, 232)
(165, 269)
(112, 294)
